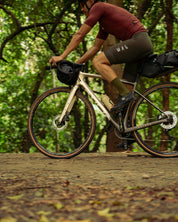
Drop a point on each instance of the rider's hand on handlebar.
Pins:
(53, 60)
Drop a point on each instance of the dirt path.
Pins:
(90, 188)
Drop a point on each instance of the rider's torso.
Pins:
(114, 20)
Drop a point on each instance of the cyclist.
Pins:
(117, 21)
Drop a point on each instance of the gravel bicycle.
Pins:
(62, 121)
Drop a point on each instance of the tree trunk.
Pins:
(143, 7)
(26, 141)
(169, 23)
(112, 140)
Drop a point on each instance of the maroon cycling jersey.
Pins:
(113, 20)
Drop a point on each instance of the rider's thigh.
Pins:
(103, 66)
(100, 59)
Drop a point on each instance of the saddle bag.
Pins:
(157, 65)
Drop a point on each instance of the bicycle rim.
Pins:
(69, 138)
(162, 139)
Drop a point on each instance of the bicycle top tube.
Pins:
(92, 75)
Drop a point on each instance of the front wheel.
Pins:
(161, 139)
(69, 138)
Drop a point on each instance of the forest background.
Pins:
(32, 31)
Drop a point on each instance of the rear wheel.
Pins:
(162, 139)
(72, 135)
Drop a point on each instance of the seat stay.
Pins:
(148, 101)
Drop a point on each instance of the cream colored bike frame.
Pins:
(81, 83)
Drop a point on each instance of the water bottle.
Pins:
(107, 101)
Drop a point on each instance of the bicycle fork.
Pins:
(69, 104)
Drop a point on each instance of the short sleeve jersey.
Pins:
(113, 20)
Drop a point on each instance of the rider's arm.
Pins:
(75, 41)
(92, 51)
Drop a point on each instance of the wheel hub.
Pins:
(172, 120)
(59, 126)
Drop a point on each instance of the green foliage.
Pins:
(31, 32)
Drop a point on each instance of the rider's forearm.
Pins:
(88, 55)
(76, 39)
(92, 51)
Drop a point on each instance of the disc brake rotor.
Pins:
(59, 126)
(172, 120)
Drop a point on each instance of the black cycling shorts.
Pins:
(130, 52)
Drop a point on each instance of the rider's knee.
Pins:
(100, 60)
(95, 62)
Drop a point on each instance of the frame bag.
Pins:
(157, 65)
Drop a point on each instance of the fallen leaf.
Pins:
(164, 216)
(129, 188)
(64, 220)
(58, 205)
(8, 219)
(145, 176)
(92, 202)
(148, 199)
(117, 203)
(16, 197)
(164, 193)
(43, 219)
(78, 201)
(105, 213)
(44, 213)
(38, 193)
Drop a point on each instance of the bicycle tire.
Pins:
(159, 140)
(76, 132)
